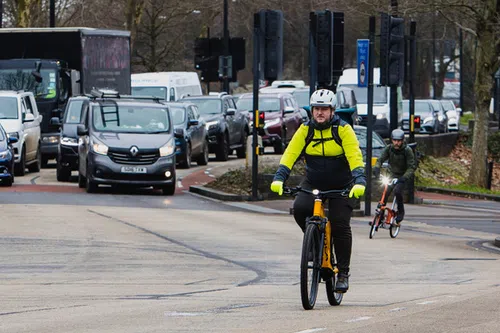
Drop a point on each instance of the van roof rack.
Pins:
(104, 93)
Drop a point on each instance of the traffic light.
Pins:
(392, 45)
(327, 32)
(273, 45)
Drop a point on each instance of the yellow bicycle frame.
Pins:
(320, 212)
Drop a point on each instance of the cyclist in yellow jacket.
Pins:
(333, 161)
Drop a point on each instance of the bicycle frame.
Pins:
(382, 205)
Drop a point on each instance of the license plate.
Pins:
(130, 169)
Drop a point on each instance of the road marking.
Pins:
(426, 302)
(33, 180)
(312, 330)
(184, 314)
(357, 319)
(397, 309)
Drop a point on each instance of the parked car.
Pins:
(453, 113)
(226, 125)
(6, 158)
(67, 150)
(191, 139)
(20, 118)
(282, 118)
(378, 144)
(126, 142)
(441, 114)
(346, 107)
(429, 122)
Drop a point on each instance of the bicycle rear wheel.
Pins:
(310, 266)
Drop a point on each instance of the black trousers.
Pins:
(339, 214)
(398, 190)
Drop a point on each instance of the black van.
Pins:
(126, 141)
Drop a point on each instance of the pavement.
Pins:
(195, 183)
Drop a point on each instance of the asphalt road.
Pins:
(143, 262)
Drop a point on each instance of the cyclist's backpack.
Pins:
(310, 136)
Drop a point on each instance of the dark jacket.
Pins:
(401, 161)
(328, 165)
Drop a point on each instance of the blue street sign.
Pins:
(363, 47)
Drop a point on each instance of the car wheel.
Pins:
(186, 162)
(203, 158)
(37, 166)
(7, 182)
(222, 152)
(242, 151)
(90, 186)
(20, 168)
(81, 180)
(169, 189)
(63, 173)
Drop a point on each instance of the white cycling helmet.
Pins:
(323, 97)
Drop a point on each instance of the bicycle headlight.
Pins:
(99, 147)
(315, 192)
(168, 148)
(385, 180)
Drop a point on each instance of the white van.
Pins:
(168, 85)
(381, 100)
(20, 118)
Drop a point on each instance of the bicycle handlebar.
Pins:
(316, 193)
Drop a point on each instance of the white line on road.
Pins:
(184, 314)
(312, 330)
(397, 309)
(426, 302)
(357, 319)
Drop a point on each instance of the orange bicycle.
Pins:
(318, 260)
(385, 217)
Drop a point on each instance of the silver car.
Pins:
(424, 114)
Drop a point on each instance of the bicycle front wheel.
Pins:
(394, 230)
(375, 223)
(310, 266)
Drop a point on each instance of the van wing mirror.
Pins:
(81, 130)
(55, 121)
(289, 109)
(28, 117)
(230, 112)
(179, 133)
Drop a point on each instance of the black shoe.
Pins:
(400, 216)
(342, 284)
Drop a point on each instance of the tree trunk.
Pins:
(485, 65)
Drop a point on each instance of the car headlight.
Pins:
(99, 147)
(381, 115)
(168, 148)
(14, 134)
(4, 154)
(428, 120)
(51, 139)
(272, 122)
(211, 125)
(69, 141)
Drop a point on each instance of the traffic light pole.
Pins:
(226, 50)
(52, 14)
(412, 60)
(313, 61)
(369, 129)
(256, 78)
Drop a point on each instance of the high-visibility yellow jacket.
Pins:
(328, 164)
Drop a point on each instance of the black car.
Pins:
(191, 141)
(6, 158)
(126, 142)
(227, 127)
(378, 144)
(67, 151)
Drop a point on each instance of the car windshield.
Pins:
(421, 108)
(448, 105)
(379, 94)
(22, 79)
(130, 119)
(8, 108)
(266, 104)
(74, 113)
(160, 92)
(377, 142)
(207, 106)
(302, 97)
(178, 114)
